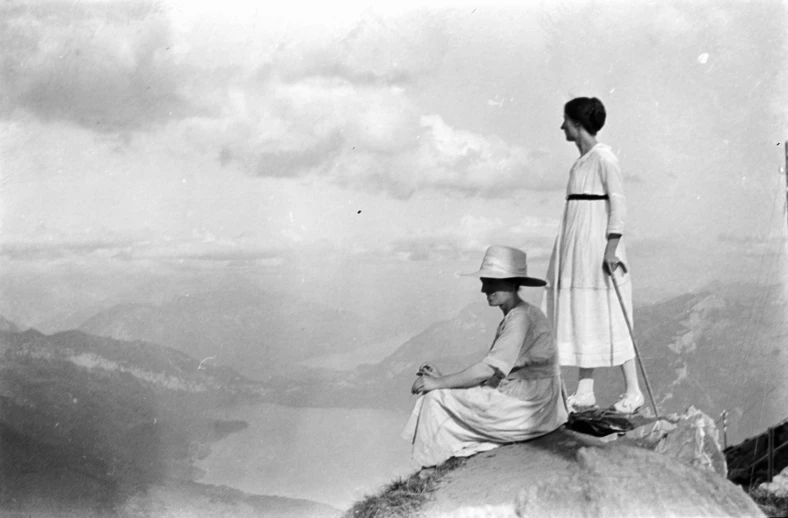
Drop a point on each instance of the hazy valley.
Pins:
(718, 349)
(92, 425)
(97, 427)
(255, 333)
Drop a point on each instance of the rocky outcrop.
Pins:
(778, 486)
(691, 438)
(570, 474)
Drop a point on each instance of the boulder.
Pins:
(571, 474)
(778, 487)
(694, 441)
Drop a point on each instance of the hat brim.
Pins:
(522, 281)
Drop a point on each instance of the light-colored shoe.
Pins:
(580, 402)
(629, 404)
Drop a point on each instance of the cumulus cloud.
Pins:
(372, 138)
(104, 66)
(111, 65)
(335, 103)
(470, 162)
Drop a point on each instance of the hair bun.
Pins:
(589, 112)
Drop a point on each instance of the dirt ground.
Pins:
(570, 474)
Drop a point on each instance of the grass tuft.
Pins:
(403, 497)
(771, 504)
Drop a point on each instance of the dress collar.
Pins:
(597, 146)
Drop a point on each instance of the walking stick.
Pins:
(634, 344)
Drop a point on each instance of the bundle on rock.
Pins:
(691, 437)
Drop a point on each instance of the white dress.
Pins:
(580, 299)
(521, 401)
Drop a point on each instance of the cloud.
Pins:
(663, 38)
(111, 66)
(756, 245)
(275, 128)
(135, 248)
(372, 50)
(462, 239)
(371, 138)
(335, 103)
(749, 239)
(469, 162)
(207, 253)
(30, 251)
(471, 235)
(104, 66)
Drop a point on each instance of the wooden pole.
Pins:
(634, 343)
(770, 453)
(760, 459)
(770, 432)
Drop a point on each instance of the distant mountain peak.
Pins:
(710, 302)
(250, 330)
(7, 326)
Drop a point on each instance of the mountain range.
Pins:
(719, 349)
(253, 332)
(8, 326)
(96, 426)
(92, 426)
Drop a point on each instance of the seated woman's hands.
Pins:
(427, 378)
(423, 384)
(428, 368)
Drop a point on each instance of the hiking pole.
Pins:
(634, 344)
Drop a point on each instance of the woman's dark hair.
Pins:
(589, 112)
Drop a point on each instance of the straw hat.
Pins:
(504, 262)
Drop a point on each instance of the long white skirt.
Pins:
(461, 422)
(589, 325)
(580, 301)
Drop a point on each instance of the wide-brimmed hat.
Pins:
(505, 262)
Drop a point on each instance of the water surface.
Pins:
(330, 455)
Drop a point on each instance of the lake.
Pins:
(329, 455)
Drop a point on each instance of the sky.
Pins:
(362, 155)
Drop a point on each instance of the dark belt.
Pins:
(587, 197)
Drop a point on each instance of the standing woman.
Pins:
(581, 303)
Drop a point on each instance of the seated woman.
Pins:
(512, 394)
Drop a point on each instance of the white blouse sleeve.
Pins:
(610, 174)
(507, 345)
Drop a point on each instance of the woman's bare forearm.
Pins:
(470, 377)
(612, 244)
